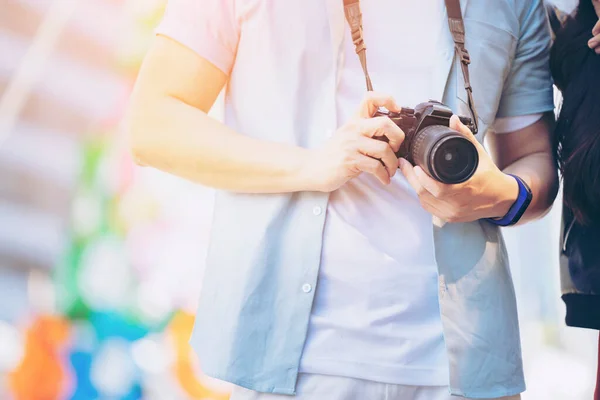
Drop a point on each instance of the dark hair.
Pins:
(576, 72)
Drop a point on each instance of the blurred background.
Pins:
(101, 262)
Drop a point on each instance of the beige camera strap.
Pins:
(354, 18)
(457, 29)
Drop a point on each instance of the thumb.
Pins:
(457, 125)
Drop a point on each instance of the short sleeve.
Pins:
(513, 124)
(528, 87)
(208, 27)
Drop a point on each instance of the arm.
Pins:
(528, 154)
(170, 129)
(182, 75)
(490, 192)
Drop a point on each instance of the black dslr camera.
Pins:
(443, 153)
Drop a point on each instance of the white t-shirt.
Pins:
(375, 314)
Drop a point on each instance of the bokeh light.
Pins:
(101, 261)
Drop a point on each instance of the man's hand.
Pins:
(352, 149)
(489, 193)
(594, 43)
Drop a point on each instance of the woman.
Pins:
(575, 63)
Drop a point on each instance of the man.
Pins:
(324, 270)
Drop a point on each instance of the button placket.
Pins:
(318, 210)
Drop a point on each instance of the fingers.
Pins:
(373, 101)
(373, 166)
(380, 151)
(437, 189)
(431, 209)
(429, 192)
(427, 199)
(409, 173)
(425, 183)
(594, 43)
(383, 127)
(457, 125)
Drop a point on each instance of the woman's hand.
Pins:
(594, 42)
(489, 193)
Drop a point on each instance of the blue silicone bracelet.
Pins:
(518, 208)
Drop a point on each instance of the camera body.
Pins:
(443, 153)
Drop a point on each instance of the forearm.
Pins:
(539, 172)
(526, 153)
(172, 136)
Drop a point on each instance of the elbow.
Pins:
(551, 193)
(139, 144)
(139, 155)
(138, 149)
(141, 123)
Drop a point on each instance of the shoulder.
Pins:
(524, 8)
(531, 11)
(519, 12)
(510, 15)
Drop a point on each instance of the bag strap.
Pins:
(457, 29)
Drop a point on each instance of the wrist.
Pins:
(306, 177)
(507, 189)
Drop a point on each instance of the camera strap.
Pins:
(457, 29)
(354, 18)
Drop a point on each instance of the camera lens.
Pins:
(444, 154)
(454, 159)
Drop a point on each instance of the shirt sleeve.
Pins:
(208, 27)
(512, 124)
(528, 87)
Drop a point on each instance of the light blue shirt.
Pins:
(283, 59)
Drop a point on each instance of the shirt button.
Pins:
(306, 288)
(317, 210)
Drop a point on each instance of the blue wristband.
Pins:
(518, 208)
